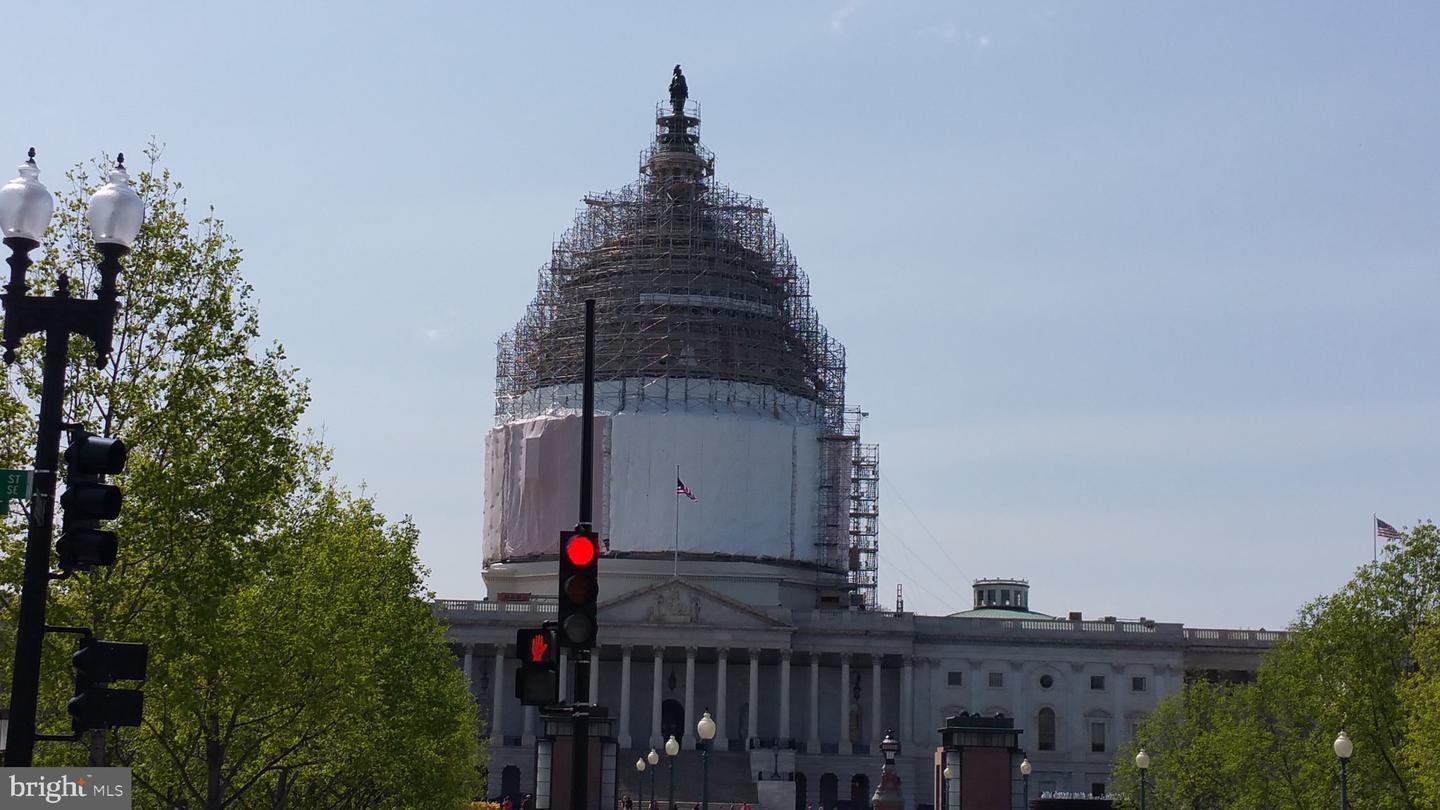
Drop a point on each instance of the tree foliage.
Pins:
(1365, 659)
(294, 658)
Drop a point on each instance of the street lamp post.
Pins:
(115, 215)
(1142, 761)
(1025, 769)
(672, 750)
(654, 759)
(1343, 749)
(946, 775)
(640, 788)
(705, 730)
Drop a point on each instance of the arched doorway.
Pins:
(510, 784)
(829, 790)
(672, 720)
(800, 794)
(859, 791)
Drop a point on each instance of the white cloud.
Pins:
(946, 32)
(842, 15)
(440, 331)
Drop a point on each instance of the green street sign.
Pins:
(15, 484)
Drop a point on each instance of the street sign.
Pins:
(15, 484)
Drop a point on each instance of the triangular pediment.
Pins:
(677, 602)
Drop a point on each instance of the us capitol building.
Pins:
(758, 600)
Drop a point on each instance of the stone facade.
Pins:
(807, 694)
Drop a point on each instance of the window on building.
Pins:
(990, 596)
(955, 678)
(979, 598)
(1137, 683)
(1005, 597)
(1047, 729)
(1097, 682)
(1020, 598)
(1097, 737)
(997, 679)
(1046, 681)
(1097, 788)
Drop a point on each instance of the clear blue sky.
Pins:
(1140, 297)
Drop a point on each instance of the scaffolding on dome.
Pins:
(864, 560)
(691, 280)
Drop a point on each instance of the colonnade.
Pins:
(777, 694)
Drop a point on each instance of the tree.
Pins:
(293, 652)
(1350, 663)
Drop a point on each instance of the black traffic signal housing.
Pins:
(97, 663)
(537, 681)
(579, 589)
(88, 500)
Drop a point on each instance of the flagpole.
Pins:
(1374, 537)
(677, 521)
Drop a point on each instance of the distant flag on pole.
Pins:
(1386, 530)
(681, 489)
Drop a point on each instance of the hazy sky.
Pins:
(1140, 297)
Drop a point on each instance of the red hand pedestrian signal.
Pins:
(538, 647)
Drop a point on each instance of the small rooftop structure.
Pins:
(1001, 599)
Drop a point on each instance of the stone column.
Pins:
(470, 668)
(1119, 687)
(754, 714)
(497, 713)
(595, 677)
(691, 716)
(722, 735)
(655, 698)
(784, 696)
(907, 703)
(564, 674)
(813, 745)
(877, 728)
(1018, 677)
(844, 742)
(624, 741)
(1079, 727)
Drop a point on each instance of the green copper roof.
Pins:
(999, 613)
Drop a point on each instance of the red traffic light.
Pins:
(539, 645)
(580, 550)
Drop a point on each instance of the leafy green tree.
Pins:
(294, 659)
(1350, 663)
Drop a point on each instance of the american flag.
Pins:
(681, 489)
(1386, 530)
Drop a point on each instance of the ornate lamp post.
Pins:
(945, 776)
(887, 794)
(640, 769)
(1026, 768)
(1343, 749)
(672, 750)
(1142, 761)
(654, 759)
(705, 730)
(115, 215)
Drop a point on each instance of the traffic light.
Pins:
(579, 588)
(97, 663)
(537, 682)
(88, 500)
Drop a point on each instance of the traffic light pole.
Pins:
(30, 629)
(580, 762)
